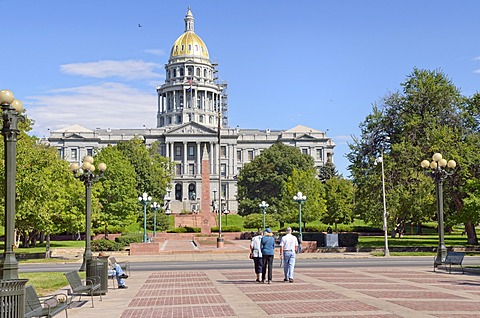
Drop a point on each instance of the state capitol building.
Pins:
(192, 107)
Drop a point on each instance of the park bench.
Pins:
(79, 287)
(124, 265)
(452, 258)
(47, 306)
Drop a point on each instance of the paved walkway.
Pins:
(353, 293)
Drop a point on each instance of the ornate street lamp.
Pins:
(145, 200)
(300, 198)
(437, 170)
(155, 206)
(263, 206)
(87, 176)
(11, 110)
(385, 230)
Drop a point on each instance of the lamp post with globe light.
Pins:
(86, 174)
(264, 205)
(145, 200)
(437, 170)
(155, 206)
(11, 115)
(300, 198)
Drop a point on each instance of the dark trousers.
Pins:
(267, 262)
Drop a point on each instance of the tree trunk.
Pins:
(47, 246)
(471, 234)
(419, 228)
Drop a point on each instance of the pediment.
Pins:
(191, 128)
(305, 137)
(73, 136)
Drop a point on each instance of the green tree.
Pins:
(263, 178)
(117, 191)
(428, 115)
(327, 172)
(46, 193)
(153, 172)
(255, 221)
(339, 195)
(315, 205)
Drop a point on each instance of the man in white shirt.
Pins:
(288, 249)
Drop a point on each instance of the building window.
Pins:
(74, 154)
(178, 151)
(191, 169)
(201, 118)
(250, 155)
(223, 169)
(90, 152)
(223, 151)
(305, 151)
(60, 152)
(179, 119)
(210, 120)
(178, 169)
(319, 153)
(191, 151)
(239, 156)
(224, 192)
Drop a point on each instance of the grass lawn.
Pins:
(411, 241)
(46, 282)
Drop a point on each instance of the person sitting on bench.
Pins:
(117, 271)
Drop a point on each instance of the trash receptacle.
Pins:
(98, 266)
(12, 298)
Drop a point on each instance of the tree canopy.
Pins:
(263, 178)
(426, 116)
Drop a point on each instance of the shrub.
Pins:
(185, 229)
(367, 229)
(227, 229)
(105, 245)
(126, 239)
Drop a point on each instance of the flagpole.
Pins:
(220, 240)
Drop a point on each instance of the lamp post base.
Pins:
(220, 242)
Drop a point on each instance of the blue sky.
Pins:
(316, 63)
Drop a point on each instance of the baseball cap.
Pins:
(268, 230)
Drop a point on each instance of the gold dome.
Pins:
(189, 44)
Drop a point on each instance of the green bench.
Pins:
(80, 287)
(47, 306)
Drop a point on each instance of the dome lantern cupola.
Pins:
(189, 21)
(189, 44)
